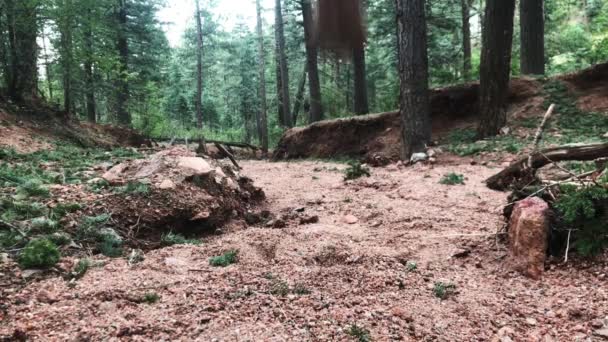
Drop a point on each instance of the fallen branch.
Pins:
(539, 132)
(525, 168)
(228, 154)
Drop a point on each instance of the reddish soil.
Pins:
(356, 273)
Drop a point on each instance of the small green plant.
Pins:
(356, 170)
(39, 253)
(99, 185)
(32, 188)
(279, 288)
(411, 266)
(361, 334)
(134, 188)
(44, 225)
(62, 209)
(224, 260)
(59, 238)
(109, 246)
(151, 298)
(171, 239)
(301, 289)
(80, 269)
(443, 290)
(452, 179)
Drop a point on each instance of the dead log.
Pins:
(524, 169)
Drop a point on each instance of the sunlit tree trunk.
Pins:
(314, 84)
(466, 39)
(263, 125)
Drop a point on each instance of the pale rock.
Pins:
(114, 174)
(194, 166)
(418, 157)
(110, 232)
(505, 131)
(166, 184)
(531, 321)
(350, 219)
(603, 333)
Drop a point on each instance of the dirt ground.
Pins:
(356, 272)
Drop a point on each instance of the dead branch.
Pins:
(228, 154)
(539, 132)
(525, 168)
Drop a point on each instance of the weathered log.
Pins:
(225, 143)
(228, 154)
(525, 168)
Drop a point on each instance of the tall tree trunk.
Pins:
(88, 70)
(495, 67)
(66, 54)
(532, 37)
(283, 68)
(47, 66)
(413, 71)
(3, 49)
(466, 39)
(199, 79)
(314, 84)
(280, 109)
(122, 89)
(361, 100)
(262, 65)
(299, 96)
(23, 31)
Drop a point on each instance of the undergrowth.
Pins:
(356, 170)
(224, 260)
(452, 179)
(361, 334)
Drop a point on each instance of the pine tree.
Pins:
(532, 36)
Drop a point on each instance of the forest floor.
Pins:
(396, 256)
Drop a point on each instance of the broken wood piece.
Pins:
(525, 168)
(228, 154)
(539, 132)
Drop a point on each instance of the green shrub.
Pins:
(356, 170)
(225, 259)
(452, 179)
(44, 225)
(109, 246)
(18, 210)
(40, 253)
(151, 297)
(32, 188)
(171, 239)
(411, 266)
(359, 333)
(301, 289)
(279, 288)
(443, 290)
(586, 210)
(80, 269)
(62, 209)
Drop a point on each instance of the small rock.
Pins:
(45, 296)
(350, 219)
(26, 274)
(3, 258)
(531, 321)
(602, 333)
(505, 131)
(597, 324)
(461, 253)
(418, 157)
(166, 184)
(194, 166)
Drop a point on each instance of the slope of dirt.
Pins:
(35, 127)
(313, 282)
(376, 137)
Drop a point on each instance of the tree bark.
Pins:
(299, 96)
(314, 84)
(122, 89)
(47, 66)
(280, 109)
(88, 70)
(262, 69)
(23, 31)
(495, 68)
(67, 54)
(199, 78)
(361, 99)
(532, 37)
(283, 68)
(413, 71)
(3, 49)
(466, 39)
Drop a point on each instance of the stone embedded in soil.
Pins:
(166, 184)
(194, 165)
(528, 230)
(350, 219)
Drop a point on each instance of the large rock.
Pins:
(528, 236)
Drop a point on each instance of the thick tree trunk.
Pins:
(199, 79)
(263, 124)
(299, 96)
(23, 30)
(532, 37)
(67, 55)
(283, 68)
(361, 100)
(314, 84)
(280, 109)
(495, 66)
(3, 49)
(88, 71)
(413, 70)
(466, 39)
(122, 89)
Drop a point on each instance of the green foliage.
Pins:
(356, 170)
(32, 188)
(411, 266)
(452, 179)
(586, 210)
(133, 188)
(17, 211)
(44, 225)
(62, 209)
(151, 298)
(39, 253)
(279, 288)
(361, 334)
(81, 268)
(90, 226)
(110, 246)
(301, 289)
(224, 260)
(443, 290)
(171, 239)
(463, 143)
